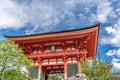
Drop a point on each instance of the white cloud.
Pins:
(110, 30)
(11, 15)
(39, 14)
(116, 63)
(48, 14)
(114, 60)
(103, 10)
(114, 52)
(113, 37)
(113, 14)
(111, 52)
(118, 11)
(116, 66)
(82, 16)
(87, 9)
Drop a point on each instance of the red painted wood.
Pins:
(70, 47)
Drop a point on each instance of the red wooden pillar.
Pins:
(79, 67)
(65, 70)
(79, 64)
(39, 71)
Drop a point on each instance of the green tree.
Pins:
(96, 70)
(54, 78)
(11, 57)
(14, 74)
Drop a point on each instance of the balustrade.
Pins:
(57, 53)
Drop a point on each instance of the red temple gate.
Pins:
(55, 52)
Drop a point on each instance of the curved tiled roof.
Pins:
(88, 27)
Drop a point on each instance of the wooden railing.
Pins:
(56, 54)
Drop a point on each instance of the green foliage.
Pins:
(97, 70)
(14, 74)
(54, 78)
(11, 57)
(34, 72)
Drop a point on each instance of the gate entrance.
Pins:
(54, 69)
(58, 52)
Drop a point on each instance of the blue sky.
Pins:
(20, 17)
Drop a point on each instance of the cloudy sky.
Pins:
(20, 17)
